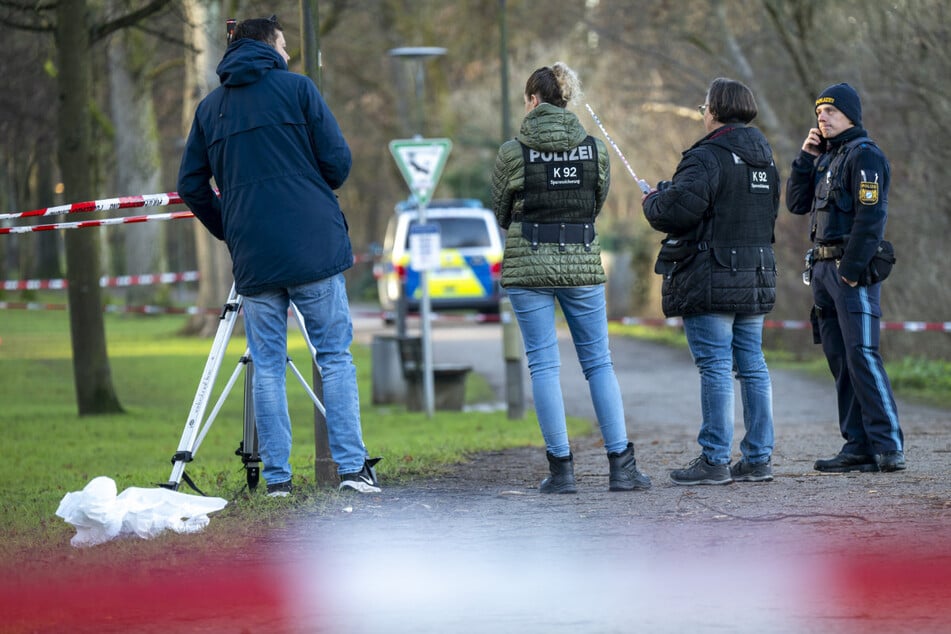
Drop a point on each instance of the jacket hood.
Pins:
(550, 128)
(247, 61)
(746, 142)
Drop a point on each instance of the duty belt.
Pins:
(833, 252)
(560, 233)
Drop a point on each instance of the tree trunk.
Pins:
(205, 34)
(91, 374)
(7, 201)
(48, 243)
(136, 247)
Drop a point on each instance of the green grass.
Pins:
(52, 451)
(657, 334)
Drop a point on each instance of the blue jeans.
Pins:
(326, 312)
(584, 310)
(721, 343)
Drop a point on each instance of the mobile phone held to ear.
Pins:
(229, 26)
(821, 145)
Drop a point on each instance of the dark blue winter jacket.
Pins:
(276, 154)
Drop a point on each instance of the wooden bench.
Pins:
(449, 379)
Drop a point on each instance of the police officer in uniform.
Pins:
(841, 178)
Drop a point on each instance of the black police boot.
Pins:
(562, 478)
(891, 461)
(845, 462)
(624, 474)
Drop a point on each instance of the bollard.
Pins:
(512, 352)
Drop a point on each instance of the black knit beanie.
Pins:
(844, 98)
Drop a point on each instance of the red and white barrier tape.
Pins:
(106, 204)
(172, 198)
(175, 215)
(105, 282)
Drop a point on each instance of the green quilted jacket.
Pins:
(550, 129)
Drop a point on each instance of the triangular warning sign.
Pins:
(421, 162)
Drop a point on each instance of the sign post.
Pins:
(421, 162)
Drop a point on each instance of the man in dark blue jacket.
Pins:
(841, 178)
(276, 153)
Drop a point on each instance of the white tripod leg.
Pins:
(307, 388)
(194, 425)
(221, 400)
(313, 356)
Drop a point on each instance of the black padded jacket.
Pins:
(718, 211)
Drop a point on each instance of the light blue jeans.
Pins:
(326, 312)
(584, 310)
(722, 343)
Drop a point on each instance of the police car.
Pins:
(470, 259)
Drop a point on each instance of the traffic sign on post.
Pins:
(421, 162)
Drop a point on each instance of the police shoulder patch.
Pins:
(868, 193)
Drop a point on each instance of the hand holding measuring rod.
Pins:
(640, 182)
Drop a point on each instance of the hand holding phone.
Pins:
(814, 144)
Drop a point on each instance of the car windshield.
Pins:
(459, 233)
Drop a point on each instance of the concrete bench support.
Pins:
(449, 380)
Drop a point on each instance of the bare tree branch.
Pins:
(28, 6)
(330, 21)
(161, 35)
(794, 40)
(26, 17)
(98, 32)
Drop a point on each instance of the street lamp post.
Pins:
(418, 54)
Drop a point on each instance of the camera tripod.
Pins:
(197, 427)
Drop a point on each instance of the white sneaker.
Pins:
(363, 481)
(279, 489)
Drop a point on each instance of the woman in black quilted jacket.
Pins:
(719, 272)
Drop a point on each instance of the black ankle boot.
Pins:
(562, 478)
(624, 473)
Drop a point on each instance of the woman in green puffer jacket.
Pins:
(549, 185)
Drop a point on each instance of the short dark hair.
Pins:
(260, 29)
(731, 101)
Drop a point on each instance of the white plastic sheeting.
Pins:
(100, 515)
